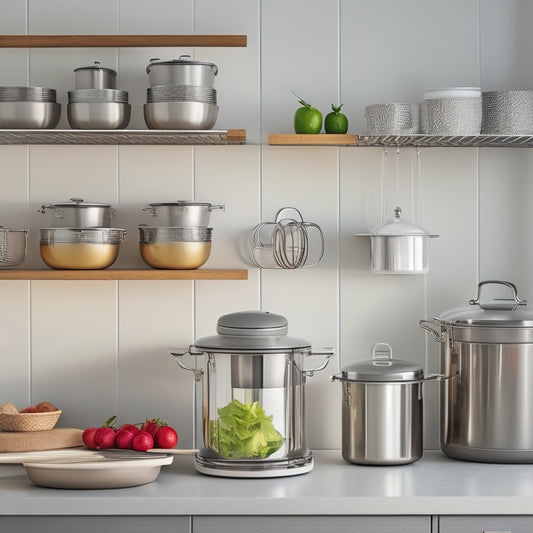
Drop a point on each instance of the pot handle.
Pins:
(428, 325)
(506, 304)
(326, 352)
(178, 355)
(217, 206)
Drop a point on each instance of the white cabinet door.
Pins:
(485, 524)
(311, 524)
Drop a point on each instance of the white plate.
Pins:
(96, 472)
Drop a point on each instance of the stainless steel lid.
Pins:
(497, 312)
(381, 368)
(182, 203)
(251, 332)
(96, 66)
(183, 60)
(397, 227)
(74, 202)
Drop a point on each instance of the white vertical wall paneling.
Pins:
(394, 51)
(14, 61)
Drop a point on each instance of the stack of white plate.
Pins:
(28, 108)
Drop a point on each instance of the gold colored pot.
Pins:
(175, 255)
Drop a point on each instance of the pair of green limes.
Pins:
(307, 119)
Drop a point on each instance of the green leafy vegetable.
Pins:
(243, 430)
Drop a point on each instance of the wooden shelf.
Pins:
(320, 139)
(116, 274)
(120, 41)
(162, 137)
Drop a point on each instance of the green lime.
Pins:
(336, 122)
(307, 119)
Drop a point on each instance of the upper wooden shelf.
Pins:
(162, 137)
(120, 41)
(451, 141)
(116, 274)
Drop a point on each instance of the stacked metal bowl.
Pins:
(96, 103)
(181, 96)
(180, 238)
(28, 108)
(79, 236)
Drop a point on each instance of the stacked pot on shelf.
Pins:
(80, 236)
(180, 238)
(181, 96)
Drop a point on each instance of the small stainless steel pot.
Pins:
(382, 409)
(95, 77)
(182, 214)
(13, 246)
(397, 247)
(182, 71)
(79, 214)
(487, 350)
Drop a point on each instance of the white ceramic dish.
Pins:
(453, 92)
(96, 472)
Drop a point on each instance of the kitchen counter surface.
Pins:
(434, 485)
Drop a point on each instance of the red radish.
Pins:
(88, 437)
(142, 441)
(104, 438)
(166, 437)
(123, 438)
(152, 426)
(131, 427)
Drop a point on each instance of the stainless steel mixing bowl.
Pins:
(29, 115)
(98, 115)
(180, 115)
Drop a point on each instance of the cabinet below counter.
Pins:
(433, 486)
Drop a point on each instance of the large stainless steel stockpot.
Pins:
(487, 351)
(79, 214)
(382, 409)
(182, 213)
(182, 71)
(253, 384)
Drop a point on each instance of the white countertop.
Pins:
(434, 485)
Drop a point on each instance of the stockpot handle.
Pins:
(178, 355)
(506, 304)
(430, 326)
(326, 352)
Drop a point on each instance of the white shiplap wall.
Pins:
(99, 348)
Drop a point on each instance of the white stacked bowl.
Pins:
(508, 112)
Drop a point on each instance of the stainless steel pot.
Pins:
(182, 214)
(397, 247)
(487, 350)
(253, 382)
(95, 77)
(79, 214)
(182, 71)
(382, 409)
(13, 246)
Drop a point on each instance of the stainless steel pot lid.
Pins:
(74, 202)
(397, 227)
(251, 332)
(96, 66)
(184, 203)
(183, 60)
(381, 368)
(498, 312)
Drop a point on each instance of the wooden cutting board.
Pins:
(29, 441)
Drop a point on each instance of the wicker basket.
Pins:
(29, 421)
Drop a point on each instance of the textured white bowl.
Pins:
(452, 116)
(29, 115)
(180, 115)
(392, 119)
(508, 113)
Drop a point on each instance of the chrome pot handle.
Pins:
(430, 326)
(506, 304)
(310, 372)
(178, 355)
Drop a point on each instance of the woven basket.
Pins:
(29, 421)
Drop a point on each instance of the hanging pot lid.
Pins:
(397, 227)
(251, 332)
(494, 313)
(74, 202)
(381, 368)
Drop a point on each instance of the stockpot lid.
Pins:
(181, 203)
(251, 332)
(74, 202)
(97, 66)
(493, 313)
(183, 60)
(397, 227)
(381, 368)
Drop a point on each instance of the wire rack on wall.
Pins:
(480, 141)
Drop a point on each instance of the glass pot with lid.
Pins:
(253, 400)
